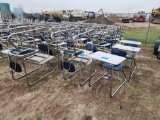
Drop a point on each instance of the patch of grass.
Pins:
(140, 34)
(19, 119)
(38, 117)
(50, 89)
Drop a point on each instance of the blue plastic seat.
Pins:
(111, 42)
(73, 53)
(116, 67)
(128, 56)
(109, 66)
(18, 52)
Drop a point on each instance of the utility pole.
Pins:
(150, 19)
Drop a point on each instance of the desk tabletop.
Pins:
(130, 42)
(107, 57)
(129, 48)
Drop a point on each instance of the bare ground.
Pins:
(57, 99)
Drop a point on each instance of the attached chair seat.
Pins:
(109, 66)
(18, 52)
(29, 41)
(129, 56)
(73, 53)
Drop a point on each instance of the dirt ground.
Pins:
(57, 99)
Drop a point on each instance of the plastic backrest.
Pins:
(15, 66)
(67, 66)
(42, 38)
(132, 45)
(91, 47)
(132, 39)
(1, 47)
(157, 44)
(44, 49)
(119, 52)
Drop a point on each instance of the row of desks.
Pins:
(101, 56)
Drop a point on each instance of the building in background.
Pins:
(18, 12)
(5, 12)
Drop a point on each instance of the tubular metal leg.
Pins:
(26, 75)
(12, 72)
(111, 82)
(66, 77)
(133, 66)
(123, 83)
(90, 84)
(86, 80)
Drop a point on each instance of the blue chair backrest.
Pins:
(91, 47)
(132, 45)
(119, 52)
(132, 39)
(110, 41)
(67, 66)
(44, 48)
(42, 38)
(15, 66)
(1, 47)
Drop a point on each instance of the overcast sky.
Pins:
(111, 6)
